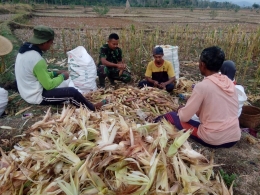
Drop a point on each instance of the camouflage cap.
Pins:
(41, 34)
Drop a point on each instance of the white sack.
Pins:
(68, 83)
(3, 100)
(82, 68)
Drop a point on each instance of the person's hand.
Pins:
(61, 71)
(163, 85)
(66, 75)
(121, 66)
(181, 106)
(156, 84)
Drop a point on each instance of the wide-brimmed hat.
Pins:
(5, 46)
(41, 34)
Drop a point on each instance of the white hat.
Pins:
(5, 46)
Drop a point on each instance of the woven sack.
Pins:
(250, 117)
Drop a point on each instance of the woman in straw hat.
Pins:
(5, 48)
(35, 83)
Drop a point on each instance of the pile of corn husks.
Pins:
(134, 103)
(84, 152)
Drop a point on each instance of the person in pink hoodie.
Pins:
(215, 102)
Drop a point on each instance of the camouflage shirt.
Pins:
(113, 56)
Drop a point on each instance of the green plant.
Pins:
(213, 14)
(236, 9)
(72, 6)
(191, 9)
(228, 179)
(101, 9)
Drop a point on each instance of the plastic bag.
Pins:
(171, 54)
(83, 71)
(3, 100)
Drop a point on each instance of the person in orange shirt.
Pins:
(215, 102)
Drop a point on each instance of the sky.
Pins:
(249, 1)
(242, 2)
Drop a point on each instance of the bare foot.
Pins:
(98, 105)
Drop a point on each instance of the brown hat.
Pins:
(5, 46)
(41, 34)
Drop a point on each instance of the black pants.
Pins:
(142, 83)
(60, 95)
(226, 145)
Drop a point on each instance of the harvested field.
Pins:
(84, 22)
(139, 31)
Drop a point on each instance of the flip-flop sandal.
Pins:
(253, 132)
(250, 131)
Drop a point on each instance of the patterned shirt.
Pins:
(113, 56)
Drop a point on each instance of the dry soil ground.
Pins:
(242, 159)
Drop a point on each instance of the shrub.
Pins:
(213, 14)
(101, 10)
(72, 6)
(236, 9)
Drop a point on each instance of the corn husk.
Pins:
(85, 152)
(134, 103)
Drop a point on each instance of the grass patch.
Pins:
(228, 179)
(8, 75)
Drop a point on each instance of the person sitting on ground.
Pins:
(111, 64)
(159, 72)
(215, 102)
(6, 47)
(228, 68)
(36, 84)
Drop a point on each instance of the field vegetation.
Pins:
(140, 29)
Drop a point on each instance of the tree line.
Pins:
(136, 3)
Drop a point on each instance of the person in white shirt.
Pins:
(6, 47)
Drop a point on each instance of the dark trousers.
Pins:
(112, 74)
(142, 83)
(61, 95)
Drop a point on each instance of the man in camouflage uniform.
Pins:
(110, 62)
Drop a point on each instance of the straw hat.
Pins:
(5, 46)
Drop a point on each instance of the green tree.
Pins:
(255, 6)
(213, 14)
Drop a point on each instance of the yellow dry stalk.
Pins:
(109, 153)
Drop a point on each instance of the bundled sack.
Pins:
(3, 100)
(171, 54)
(82, 69)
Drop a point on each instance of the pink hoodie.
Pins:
(215, 101)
